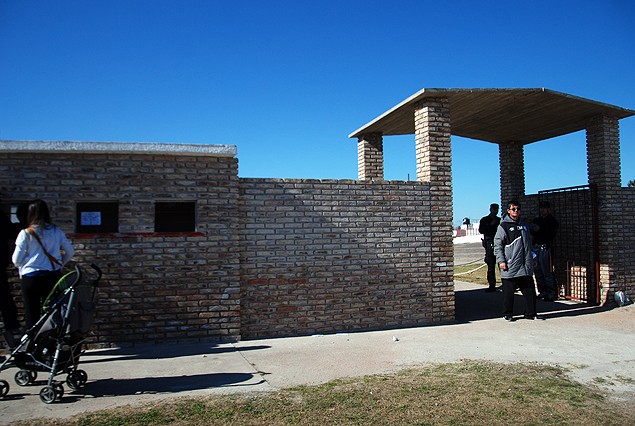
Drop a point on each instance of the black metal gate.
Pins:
(576, 247)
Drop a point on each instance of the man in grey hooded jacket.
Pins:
(512, 247)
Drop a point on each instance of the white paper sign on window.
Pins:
(91, 218)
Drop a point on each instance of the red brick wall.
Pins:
(269, 257)
(156, 286)
(328, 256)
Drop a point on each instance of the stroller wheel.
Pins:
(59, 391)
(23, 378)
(73, 380)
(76, 379)
(83, 377)
(4, 388)
(48, 394)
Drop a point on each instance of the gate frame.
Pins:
(592, 287)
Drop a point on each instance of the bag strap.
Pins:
(52, 259)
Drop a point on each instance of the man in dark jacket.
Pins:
(512, 247)
(544, 232)
(487, 226)
(8, 232)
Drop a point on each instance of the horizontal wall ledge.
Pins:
(118, 235)
(208, 150)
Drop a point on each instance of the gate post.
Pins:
(604, 170)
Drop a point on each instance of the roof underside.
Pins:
(499, 115)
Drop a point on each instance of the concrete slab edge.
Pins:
(119, 148)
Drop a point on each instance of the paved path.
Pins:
(591, 342)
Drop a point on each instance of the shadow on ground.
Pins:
(158, 385)
(477, 304)
(165, 352)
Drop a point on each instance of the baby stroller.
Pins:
(54, 343)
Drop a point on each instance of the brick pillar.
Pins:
(434, 165)
(512, 172)
(603, 168)
(432, 140)
(370, 157)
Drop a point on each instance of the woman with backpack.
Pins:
(41, 250)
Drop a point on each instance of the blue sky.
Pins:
(288, 81)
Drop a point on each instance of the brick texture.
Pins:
(434, 166)
(603, 164)
(269, 257)
(512, 172)
(370, 157)
(626, 266)
(327, 256)
(156, 286)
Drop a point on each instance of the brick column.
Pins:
(370, 157)
(603, 168)
(434, 165)
(432, 139)
(512, 172)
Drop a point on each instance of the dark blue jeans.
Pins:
(7, 305)
(35, 290)
(490, 260)
(545, 279)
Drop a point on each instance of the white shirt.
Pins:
(29, 256)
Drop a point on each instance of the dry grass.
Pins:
(478, 276)
(467, 393)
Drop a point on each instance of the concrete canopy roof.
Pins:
(499, 115)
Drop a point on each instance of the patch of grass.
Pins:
(579, 366)
(602, 381)
(624, 379)
(466, 393)
(478, 276)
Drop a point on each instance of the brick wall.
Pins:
(327, 256)
(626, 270)
(156, 286)
(269, 257)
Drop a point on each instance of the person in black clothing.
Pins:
(487, 226)
(544, 231)
(9, 311)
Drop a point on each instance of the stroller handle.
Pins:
(97, 269)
